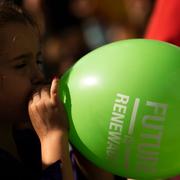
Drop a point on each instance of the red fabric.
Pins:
(164, 23)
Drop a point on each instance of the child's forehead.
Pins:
(17, 37)
(7, 37)
(10, 30)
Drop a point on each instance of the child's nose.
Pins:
(37, 77)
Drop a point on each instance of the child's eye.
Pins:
(19, 66)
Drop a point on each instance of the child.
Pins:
(20, 77)
(25, 98)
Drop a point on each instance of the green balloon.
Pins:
(123, 105)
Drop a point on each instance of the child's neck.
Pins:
(6, 140)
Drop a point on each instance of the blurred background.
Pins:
(71, 28)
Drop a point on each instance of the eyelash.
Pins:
(19, 66)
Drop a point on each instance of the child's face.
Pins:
(20, 73)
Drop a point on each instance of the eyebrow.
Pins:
(22, 56)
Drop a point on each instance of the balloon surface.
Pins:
(123, 105)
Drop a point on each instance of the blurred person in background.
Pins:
(138, 13)
(61, 50)
(92, 28)
(101, 22)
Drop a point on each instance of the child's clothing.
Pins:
(30, 168)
